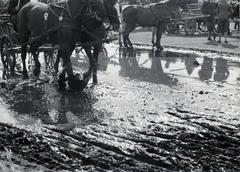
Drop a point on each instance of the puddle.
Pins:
(151, 111)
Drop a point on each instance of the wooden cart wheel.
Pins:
(172, 28)
(30, 60)
(8, 57)
(190, 27)
(202, 26)
(50, 59)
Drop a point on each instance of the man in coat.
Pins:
(224, 12)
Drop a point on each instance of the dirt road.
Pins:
(177, 110)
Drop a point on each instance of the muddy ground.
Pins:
(171, 111)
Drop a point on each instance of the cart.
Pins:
(10, 49)
(188, 22)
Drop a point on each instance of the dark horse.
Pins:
(64, 24)
(155, 15)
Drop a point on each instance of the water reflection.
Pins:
(81, 60)
(170, 58)
(206, 71)
(190, 64)
(221, 70)
(6, 115)
(133, 67)
(46, 103)
(155, 67)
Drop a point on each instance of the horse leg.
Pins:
(12, 70)
(160, 30)
(153, 36)
(209, 35)
(96, 51)
(33, 49)
(62, 74)
(92, 62)
(56, 64)
(125, 40)
(65, 53)
(128, 40)
(24, 40)
(67, 45)
(129, 28)
(214, 34)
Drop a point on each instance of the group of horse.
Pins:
(65, 24)
(82, 21)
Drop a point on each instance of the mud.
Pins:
(151, 111)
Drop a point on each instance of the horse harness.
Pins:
(86, 10)
(66, 22)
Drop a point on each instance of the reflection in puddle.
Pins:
(118, 123)
(6, 115)
(145, 67)
(169, 67)
(206, 71)
(46, 104)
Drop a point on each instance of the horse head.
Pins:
(180, 3)
(111, 13)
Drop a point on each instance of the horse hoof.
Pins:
(62, 85)
(129, 48)
(12, 73)
(87, 75)
(76, 85)
(25, 76)
(153, 43)
(160, 48)
(36, 71)
(95, 80)
(56, 69)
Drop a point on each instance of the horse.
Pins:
(154, 15)
(62, 24)
(93, 36)
(209, 8)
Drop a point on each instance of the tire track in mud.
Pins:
(177, 151)
(170, 138)
(185, 142)
(219, 144)
(105, 142)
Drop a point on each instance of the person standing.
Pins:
(224, 12)
(236, 14)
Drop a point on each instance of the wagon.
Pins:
(188, 22)
(10, 48)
